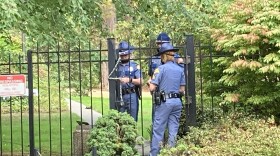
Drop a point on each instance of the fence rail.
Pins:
(70, 85)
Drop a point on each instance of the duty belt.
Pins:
(173, 95)
(128, 90)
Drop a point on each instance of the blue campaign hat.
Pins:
(163, 38)
(165, 47)
(124, 48)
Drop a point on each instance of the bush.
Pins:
(234, 135)
(114, 134)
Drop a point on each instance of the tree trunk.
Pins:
(104, 75)
(109, 23)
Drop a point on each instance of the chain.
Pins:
(116, 78)
(114, 69)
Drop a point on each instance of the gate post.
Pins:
(30, 104)
(190, 82)
(112, 57)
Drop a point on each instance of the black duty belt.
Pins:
(128, 90)
(173, 95)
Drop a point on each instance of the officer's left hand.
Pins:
(124, 80)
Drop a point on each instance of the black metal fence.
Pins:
(208, 90)
(70, 75)
(65, 83)
(13, 110)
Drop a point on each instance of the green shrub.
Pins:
(114, 134)
(233, 135)
(249, 75)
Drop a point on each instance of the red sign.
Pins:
(12, 85)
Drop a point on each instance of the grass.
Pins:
(53, 139)
(102, 106)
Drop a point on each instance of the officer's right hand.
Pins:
(124, 80)
(149, 82)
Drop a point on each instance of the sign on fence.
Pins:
(12, 85)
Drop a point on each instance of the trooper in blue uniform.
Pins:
(171, 87)
(130, 78)
(155, 61)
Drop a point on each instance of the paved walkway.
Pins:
(90, 116)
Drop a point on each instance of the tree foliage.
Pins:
(145, 19)
(45, 21)
(64, 19)
(70, 20)
(249, 32)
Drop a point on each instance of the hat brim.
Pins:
(174, 50)
(127, 52)
(160, 41)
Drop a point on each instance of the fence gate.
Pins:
(65, 96)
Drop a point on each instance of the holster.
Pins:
(162, 96)
(138, 91)
(156, 97)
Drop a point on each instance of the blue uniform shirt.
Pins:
(130, 70)
(155, 62)
(169, 77)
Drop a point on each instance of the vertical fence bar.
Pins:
(49, 97)
(30, 103)
(111, 63)
(141, 98)
(11, 109)
(20, 67)
(191, 110)
(211, 65)
(70, 96)
(100, 74)
(59, 97)
(21, 117)
(200, 80)
(187, 97)
(81, 99)
(90, 82)
(38, 100)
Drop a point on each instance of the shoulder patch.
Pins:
(130, 69)
(156, 71)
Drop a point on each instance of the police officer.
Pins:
(168, 112)
(130, 78)
(155, 61)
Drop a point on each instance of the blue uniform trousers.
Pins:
(165, 114)
(130, 105)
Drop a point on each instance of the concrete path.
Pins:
(90, 116)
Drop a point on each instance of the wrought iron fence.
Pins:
(66, 94)
(208, 89)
